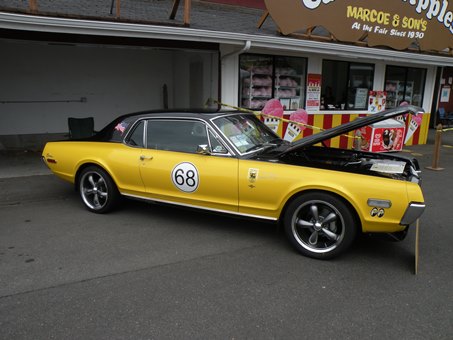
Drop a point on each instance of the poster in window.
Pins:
(445, 94)
(313, 92)
(295, 103)
(376, 101)
(285, 103)
(361, 96)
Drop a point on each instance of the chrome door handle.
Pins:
(143, 157)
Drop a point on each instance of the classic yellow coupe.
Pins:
(231, 162)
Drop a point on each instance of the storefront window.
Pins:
(264, 77)
(345, 85)
(404, 84)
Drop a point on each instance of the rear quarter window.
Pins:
(116, 131)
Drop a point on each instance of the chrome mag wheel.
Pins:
(320, 225)
(97, 190)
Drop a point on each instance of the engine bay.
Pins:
(374, 164)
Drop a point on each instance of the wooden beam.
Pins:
(174, 9)
(187, 8)
(118, 8)
(364, 36)
(262, 19)
(33, 6)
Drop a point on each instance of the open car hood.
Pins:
(353, 125)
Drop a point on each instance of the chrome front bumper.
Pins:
(412, 213)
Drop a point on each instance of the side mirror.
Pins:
(203, 149)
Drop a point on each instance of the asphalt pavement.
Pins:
(158, 272)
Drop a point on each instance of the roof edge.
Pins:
(120, 29)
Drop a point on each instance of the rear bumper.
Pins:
(412, 213)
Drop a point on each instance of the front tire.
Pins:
(97, 190)
(320, 225)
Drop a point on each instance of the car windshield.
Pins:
(246, 132)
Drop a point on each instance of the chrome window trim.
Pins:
(221, 140)
(200, 207)
(130, 131)
(207, 124)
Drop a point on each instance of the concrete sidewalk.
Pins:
(21, 163)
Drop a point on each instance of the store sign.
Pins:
(393, 23)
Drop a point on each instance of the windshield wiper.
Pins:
(265, 145)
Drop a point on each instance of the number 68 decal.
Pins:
(185, 177)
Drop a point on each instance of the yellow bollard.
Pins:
(437, 143)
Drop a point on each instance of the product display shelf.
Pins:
(289, 89)
(256, 90)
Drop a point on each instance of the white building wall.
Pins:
(117, 80)
(429, 88)
(229, 63)
(37, 79)
(114, 81)
(195, 79)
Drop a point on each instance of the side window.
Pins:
(136, 138)
(176, 135)
(115, 131)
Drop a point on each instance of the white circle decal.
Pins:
(185, 177)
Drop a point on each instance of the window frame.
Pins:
(406, 74)
(273, 60)
(135, 126)
(346, 85)
(210, 133)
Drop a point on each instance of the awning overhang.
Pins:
(23, 22)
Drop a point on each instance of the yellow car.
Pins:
(231, 162)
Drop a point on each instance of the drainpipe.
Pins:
(246, 47)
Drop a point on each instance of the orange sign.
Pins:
(393, 23)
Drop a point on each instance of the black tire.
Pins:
(320, 225)
(97, 190)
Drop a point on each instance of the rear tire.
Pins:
(97, 190)
(320, 225)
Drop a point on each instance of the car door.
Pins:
(122, 160)
(173, 171)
